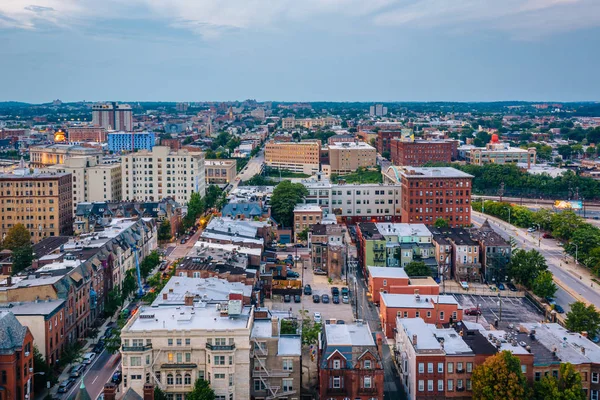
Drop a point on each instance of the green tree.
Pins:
(201, 391)
(417, 268)
(22, 258)
(583, 318)
(195, 207)
(310, 329)
(40, 365)
(565, 223)
(543, 285)
(159, 394)
(164, 230)
(499, 377)
(285, 197)
(16, 237)
(525, 266)
(566, 387)
(303, 235)
(113, 302)
(441, 223)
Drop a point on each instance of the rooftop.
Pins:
(416, 301)
(569, 346)
(403, 229)
(209, 290)
(387, 272)
(349, 335)
(417, 328)
(307, 208)
(12, 333)
(42, 307)
(351, 146)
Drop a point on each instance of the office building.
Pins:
(16, 359)
(432, 193)
(297, 157)
(220, 172)
(78, 134)
(345, 157)
(52, 154)
(154, 175)
(130, 141)
(42, 202)
(415, 152)
(497, 152)
(113, 116)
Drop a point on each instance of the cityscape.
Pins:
(316, 200)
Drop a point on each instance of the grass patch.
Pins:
(361, 175)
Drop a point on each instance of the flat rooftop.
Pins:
(403, 229)
(349, 335)
(387, 272)
(413, 301)
(42, 307)
(433, 172)
(307, 208)
(569, 346)
(416, 327)
(209, 290)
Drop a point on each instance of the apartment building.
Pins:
(173, 346)
(353, 203)
(131, 141)
(415, 152)
(494, 251)
(497, 152)
(306, 215)
(92, 181)
(432, 193)
(220, 172)
(461, 254)
(16, 359)
(294, 156)
(78, 134)
(42, 202)
(328, 248)
(276, 358)
(384, 139)
(113, 116)
(396, 281)
(350, 363)
(52, 154)
(153, 175)
(308, 123)
(346, 157)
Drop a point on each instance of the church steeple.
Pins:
(83, 393)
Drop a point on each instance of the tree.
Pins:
(525, 266)
(566, 387)
(40, 365)
(285, 197)
(303, 235)
(195, 207)
(565, 223)
(164, 230)
(159, 394)
(310, 329)
(583, 318)
(499, 377)
(22, 258)
(543, 285)
(441, 223)
(16, 237)
(201, 391)
(417, 268)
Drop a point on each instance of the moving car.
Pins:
(325, 299)
(317, 317)
(547, 236)
(559, 309)
(532, 229)
(297, 298)
(307, 290)
(316, 298)
(66, 385)
(88, 358)
(117, 377)
(287, 298)
(472, 311)
(320, 272)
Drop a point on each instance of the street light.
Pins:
(29, 381)
(576, 248)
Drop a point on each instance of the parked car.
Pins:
(297, 298)
(345, 291)
(336, 299)
(340, 322)
(98, 347)
(320, 272)
(66, 385)
(464, 285)
(500, 286)
(297, 258)
(117, 377)
(318, 317)
(547, 236)
(109, 330)
(550, 301)
(76, 370)
(511, 287)
(345, 299)
(325, 298)
(287, 298)
(316, 298)
(292, 274)
(335, 291)
(559, 309)
(183, 241)
(307, 290)
(472, 311)
(532, 229)
(88, 358)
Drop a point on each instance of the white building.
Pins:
(153, 175)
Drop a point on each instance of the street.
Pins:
(95, 376)
(254, 167)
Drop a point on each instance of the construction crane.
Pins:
(139, 273)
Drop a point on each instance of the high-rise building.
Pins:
(154, 175)
(113, 116)
(378, 110)
(130, 141)
(345, 158)
(297, 157)
(42, 202)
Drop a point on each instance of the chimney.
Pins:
(110, 391)
(148, 391)
(9, 281)
(414, 340)
(274, 326)
(165, 296)
(188, 301)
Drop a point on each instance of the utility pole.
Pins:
(501, 191)
(500, 304)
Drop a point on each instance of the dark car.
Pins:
(511, 287)
(559, 309)
(293, 274)
(98, 347)
(336, 299)
(307, 290)
(316, 298)
(472, 311)
(500, 286)
(335, 291)
(287, 298)
(325, 298)
(297, 298)
(340, 322)
(66, 385)
(345, 291)
(108, 332)
(183, 241)
(117, 377)
(547, 236)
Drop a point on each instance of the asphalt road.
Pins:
(555, 259)
(252, 168)
(96, 375)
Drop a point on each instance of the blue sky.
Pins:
(299, 50)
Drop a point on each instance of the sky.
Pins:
(299, 50)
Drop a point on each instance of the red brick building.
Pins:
(418, 152)
(385, 139)
(350, 363)
(396, 281)
(16, 359)
(432, 193)
(87, 134)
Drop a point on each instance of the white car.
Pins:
(88, 358)
(464, 285)
(531, 230)
(318, 317)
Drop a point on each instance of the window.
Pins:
(421, 368)
(428, 314)
(219, 376)
(450, 367)
(524, 369)
(367, 382)
(470, 367)
(336, 382)
(468, 384)
(594, 395)
(135, 361)
(188, 357)
(219, 360)
(441, 315)
(450, 385)
(555, 373)
(538, 376)
(178, 342)
(169, 342)
(367, 364)
(170, 379)
(421, 385)
(188, 342)
(259, 385)
(430, 385)
(178, 379)
(188, 379)
(459, 367)
(287, 385)
(430, 368)
(385, 282)
(459, 384)
(230, 379)
(441, 367)
(336, 364)
(288, 364)
(440, 385)
(594, 377)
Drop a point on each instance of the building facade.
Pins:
(130, 141)
(113, 116)
(78, 134)
(294, 156)
(497, 152)
(46, 155)
(415, 153)
(220, 172)
(346, 157)
(150, 176)
(306, 215)
(16, 359)
(42, 202)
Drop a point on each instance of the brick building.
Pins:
(384, 139)
(16, 359)
(418, 152)
(396, 281)
(306, 215)
(86, 134)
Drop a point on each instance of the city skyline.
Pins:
(343, 50)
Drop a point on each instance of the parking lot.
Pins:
(320, 286)
(514, 309)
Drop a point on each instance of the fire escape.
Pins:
(264, 374)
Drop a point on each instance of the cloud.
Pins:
(213, 18)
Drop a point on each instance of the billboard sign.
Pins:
(568, 204)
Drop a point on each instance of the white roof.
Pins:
(208, 289)
(57, 265)
(232, 227)
(349, 334)
(229, 247)
(453, 342)
(403, 229)
(289, 346)
(351, 146)
(569, 346)
(387, 272)
(414, 301)
(307, 208)
(222, 236)
(417, 327)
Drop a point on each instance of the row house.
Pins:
(16, 359)
(327, 248)
(458, 254)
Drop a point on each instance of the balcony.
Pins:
(214, 347)
(136, 348)
(179, 366)
(460, 371)
(273, 373)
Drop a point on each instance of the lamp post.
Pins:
(28, 396)
(576, 248)
(509, 215)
